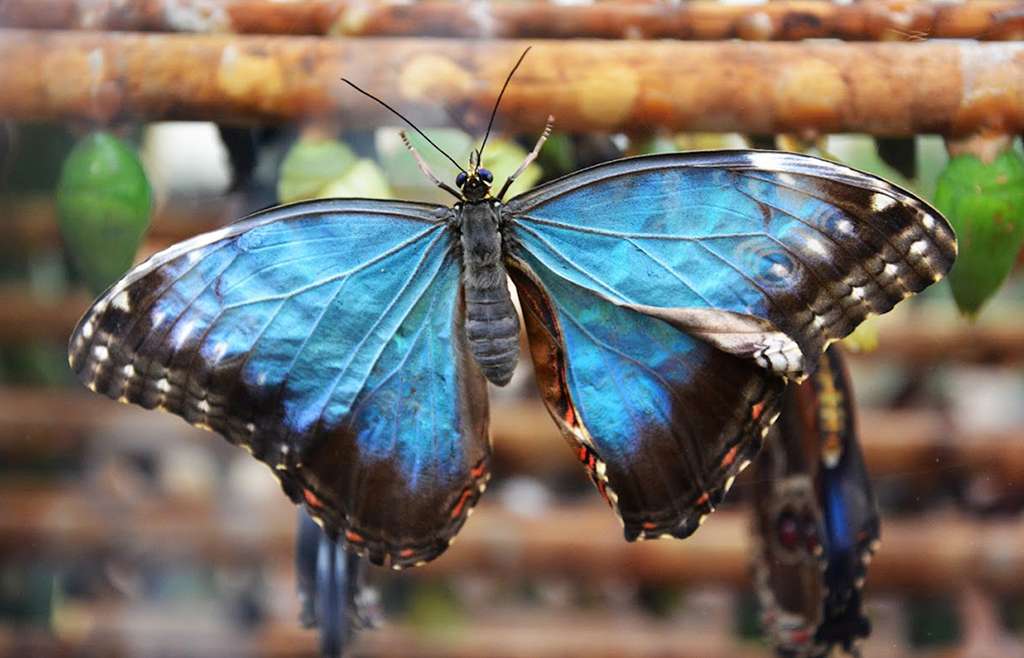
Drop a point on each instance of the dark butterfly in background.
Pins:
(816, 520)
(347, 343)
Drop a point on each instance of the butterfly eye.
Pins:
(460, 180)
(485, 175)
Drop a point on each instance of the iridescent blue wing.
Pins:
(668, 297)
(326, 338)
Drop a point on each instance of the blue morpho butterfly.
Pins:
(817, 520)
(347, 343)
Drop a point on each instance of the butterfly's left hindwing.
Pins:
(667, 298)
(326, 337)
(662, 421)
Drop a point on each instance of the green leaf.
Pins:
(985, 204)
(310, 165)
(502, 157)
(365, 179)
(104, 204)
(404, 175)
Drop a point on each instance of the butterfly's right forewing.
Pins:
(326, 337)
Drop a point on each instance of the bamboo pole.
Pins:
(786, 20)
(811, 87)
(932, 553)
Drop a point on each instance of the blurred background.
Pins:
(126, 126)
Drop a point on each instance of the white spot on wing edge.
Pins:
(881, 202)
(101, 353)
(121, 301)
(163, 385)
(919, 247)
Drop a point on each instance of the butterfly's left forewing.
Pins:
(326, 337)
(669, 297)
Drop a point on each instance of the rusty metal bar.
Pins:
(873, 20)
(764, 88)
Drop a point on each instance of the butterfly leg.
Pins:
(425, 168)
(529, 158)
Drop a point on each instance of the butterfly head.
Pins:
(475, 184)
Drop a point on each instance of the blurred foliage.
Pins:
(985, 204)
(865, 337)
(434, 608)
(104, 203)
(933, 622)
(502, 157)
(37, 364)
(558, 157)
(36, 152)
(27, 593)
(311, 165)
(363, 179)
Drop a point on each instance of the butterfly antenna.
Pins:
(494, 112)
(411, 124)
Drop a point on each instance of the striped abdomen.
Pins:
(492, 325)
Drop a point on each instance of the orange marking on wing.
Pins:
(648, 525)
(353, 536)
(757, 410)
(311, 498)
(570, 416)
(405, 552)
(457, 511)
(601, 489)
(583, 454)
(704, 497)
(478, 471)
(730, 456)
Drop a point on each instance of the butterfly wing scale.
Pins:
(668, 298)
(325, 337)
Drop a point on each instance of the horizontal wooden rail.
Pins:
(31, 220)
(531, 636)
(38, 424)
(785, 20)
(497, 634)
(763, 88)
(583, 541)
